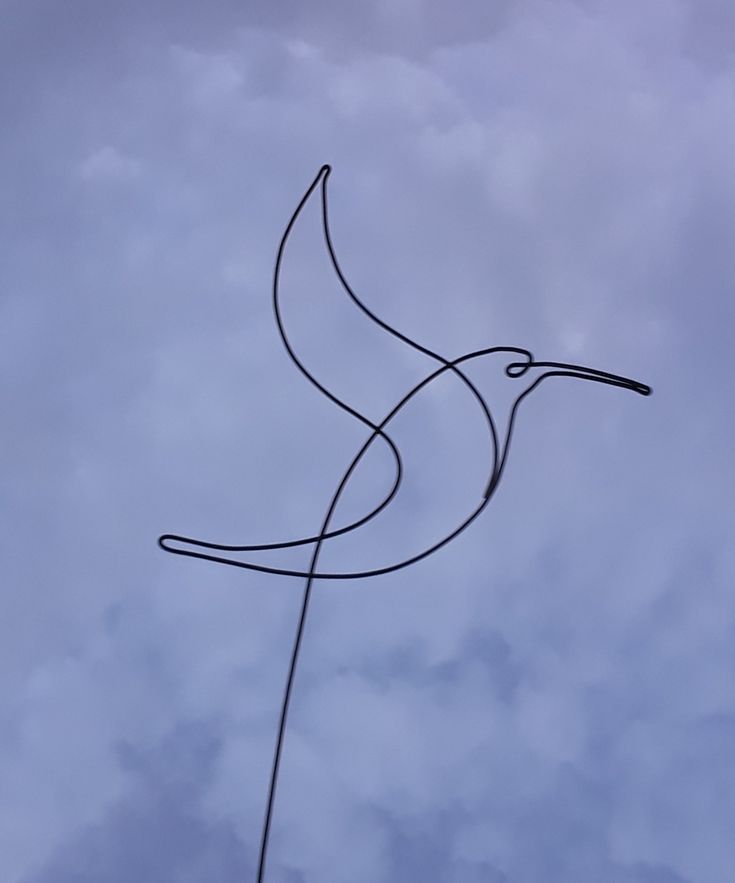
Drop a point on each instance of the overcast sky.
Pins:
(551, 697)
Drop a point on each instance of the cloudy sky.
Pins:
(548, 699)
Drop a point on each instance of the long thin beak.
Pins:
(562, 369)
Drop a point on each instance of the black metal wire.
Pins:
(523, 361)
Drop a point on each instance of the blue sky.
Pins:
(548, 699)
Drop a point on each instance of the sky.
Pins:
(549, 698)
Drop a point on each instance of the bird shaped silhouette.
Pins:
(519, 363)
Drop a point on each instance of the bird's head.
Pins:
(520, 363)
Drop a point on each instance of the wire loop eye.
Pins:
(518, 369)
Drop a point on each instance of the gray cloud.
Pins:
(156, 832)
(549, 697)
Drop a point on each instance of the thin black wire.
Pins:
(514, 369)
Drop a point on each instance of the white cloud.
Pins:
(109, 164)
(558, 177)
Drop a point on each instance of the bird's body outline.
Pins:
(499, 452)
(523, 361)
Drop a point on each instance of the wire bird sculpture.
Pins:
(521, 361)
